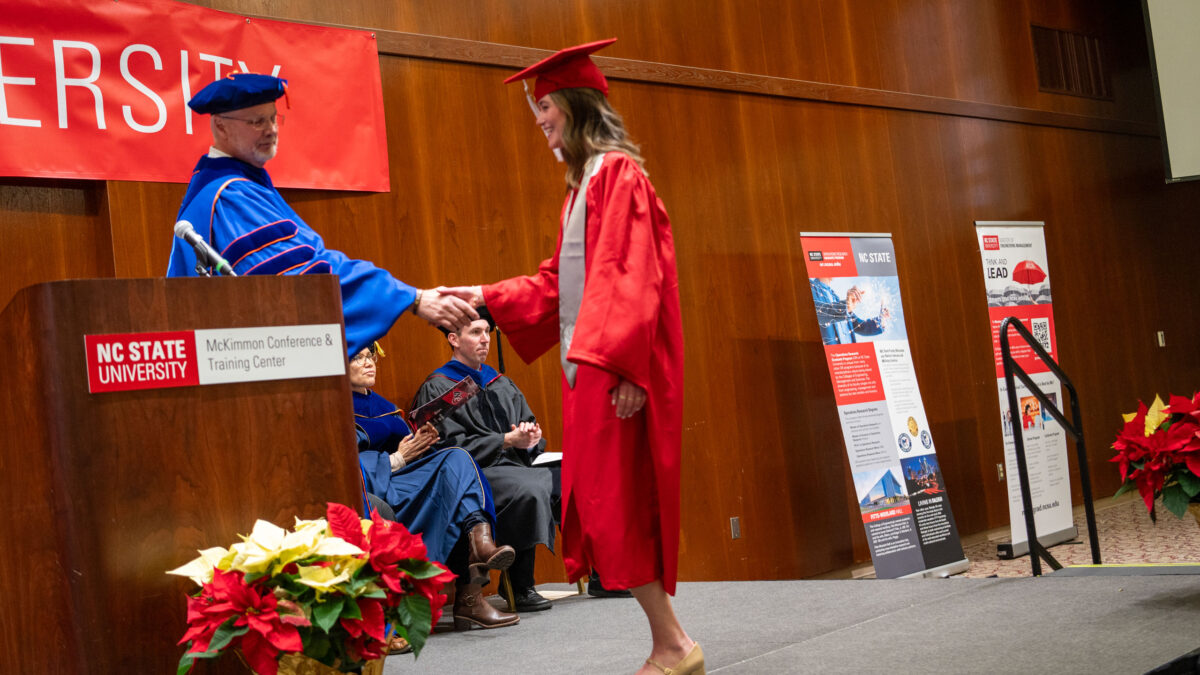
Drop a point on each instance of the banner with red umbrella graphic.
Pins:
(1017, 283)
(1027, 272)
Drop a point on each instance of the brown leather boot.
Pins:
(472, 609)
(484, 549)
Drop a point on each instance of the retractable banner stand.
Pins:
(901, 494)
(1017, 280)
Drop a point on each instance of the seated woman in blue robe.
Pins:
(439, 494)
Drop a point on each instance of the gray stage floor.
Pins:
(1127, 624)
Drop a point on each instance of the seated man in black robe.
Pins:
(502, 434)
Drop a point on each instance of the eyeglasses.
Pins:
(363, 357)
(260, 124)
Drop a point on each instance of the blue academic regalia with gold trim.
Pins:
(238, 210)
(434, 494)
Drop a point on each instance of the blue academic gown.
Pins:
(838, 325)
(238, 210)
(432, 495)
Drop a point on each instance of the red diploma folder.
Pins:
(437, 409)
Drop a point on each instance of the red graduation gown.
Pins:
(620, 477)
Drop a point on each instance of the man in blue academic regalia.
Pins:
(233, 204)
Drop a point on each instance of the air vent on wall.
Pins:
(1070, 63)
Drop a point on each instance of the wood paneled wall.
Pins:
(759, 119)
(51, 230)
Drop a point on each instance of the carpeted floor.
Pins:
(1045, 625)
(1127, 536)
(965, 624)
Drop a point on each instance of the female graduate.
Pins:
(609, 296)
(440, 494)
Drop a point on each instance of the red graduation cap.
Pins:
(568, 68)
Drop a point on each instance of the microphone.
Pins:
(206, 253)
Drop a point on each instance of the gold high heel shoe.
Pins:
(692, 664)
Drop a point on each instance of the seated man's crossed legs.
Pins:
(528, 504)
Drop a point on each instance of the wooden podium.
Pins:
(103, 493)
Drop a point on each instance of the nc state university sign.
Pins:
(131, 361)
(99, 89)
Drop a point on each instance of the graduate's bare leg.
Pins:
(671, 643)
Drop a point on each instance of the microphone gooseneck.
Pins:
(204, 253)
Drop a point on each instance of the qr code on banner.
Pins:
(1041, 331)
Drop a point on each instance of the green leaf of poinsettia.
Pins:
(420, 569)
(415, 609)
(326, 613)
(1125, 487)
(350, 610)
(1175, 499)
(403, 614)
(1190, 483)
(186, 662)
(224, 635)
(317, 647)
(221, 639)
(357, 583)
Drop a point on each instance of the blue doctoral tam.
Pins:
(236, 91)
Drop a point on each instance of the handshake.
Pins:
(450, 307)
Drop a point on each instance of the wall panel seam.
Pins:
(491, 54)
(458, 50)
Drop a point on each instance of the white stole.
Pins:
(571, 267)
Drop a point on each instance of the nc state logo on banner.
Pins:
(131, 361)
(828, 257)
(99, 89)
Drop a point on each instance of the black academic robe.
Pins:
(526, 506)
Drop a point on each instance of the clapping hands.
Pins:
(524, 435)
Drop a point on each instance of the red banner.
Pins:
(97, 89)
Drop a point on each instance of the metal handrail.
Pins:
(1074, 429)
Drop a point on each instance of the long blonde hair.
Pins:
(592, 127)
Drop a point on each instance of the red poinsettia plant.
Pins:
(1158, 452)
(331, 590)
